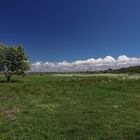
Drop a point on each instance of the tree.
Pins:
(13, 61)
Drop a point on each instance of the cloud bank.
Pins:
(91, 64)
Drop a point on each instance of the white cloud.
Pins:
(123, 58)
(86, 65)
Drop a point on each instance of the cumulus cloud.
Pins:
(91, 64)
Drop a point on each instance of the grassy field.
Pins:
(56, 107)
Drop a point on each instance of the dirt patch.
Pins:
(10, 114)
(7, 98)
(138, 103)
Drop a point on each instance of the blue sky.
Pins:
(57, 30)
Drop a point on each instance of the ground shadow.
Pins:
(11, 81)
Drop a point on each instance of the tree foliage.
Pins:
(13, 60)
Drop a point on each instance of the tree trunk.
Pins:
(8, 76)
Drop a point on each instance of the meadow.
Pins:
(70, 107)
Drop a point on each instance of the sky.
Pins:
(71, 30)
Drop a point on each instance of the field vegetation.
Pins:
(70, 107)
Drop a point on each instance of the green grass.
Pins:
(70, 108)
